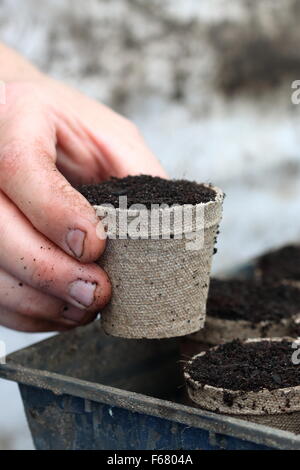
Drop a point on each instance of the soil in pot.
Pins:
(252, 301)
(246, 309)
(257, 380)
(247, 367)
(281, 264)
(147, 190)
(159, 284)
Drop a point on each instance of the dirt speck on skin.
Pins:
(247, 367)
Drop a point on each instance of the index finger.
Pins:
(29, 177)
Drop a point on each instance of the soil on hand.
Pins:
(147, 190)
(247, 367)
(252, 300)
(281, 264)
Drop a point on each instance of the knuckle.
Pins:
(44, 274)
(14, 153)
(64, 197)
(10, 157)
(32, 307)
(27, 310)
(45, 149)
(68, 194)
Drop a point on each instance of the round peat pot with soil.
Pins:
(242, 309)
(280, 265)
(257, 380)
(160, 272)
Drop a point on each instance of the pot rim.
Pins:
(262, 323)
(203, 386)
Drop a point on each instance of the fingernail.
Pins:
(75, 241)
(73, 314)
(82, 293)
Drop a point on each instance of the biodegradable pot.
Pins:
(220, 330)
(279, 408)
(159, 285)
(278, 265)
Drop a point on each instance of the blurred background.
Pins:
(209, 85)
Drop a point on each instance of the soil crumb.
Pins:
(247, 367)
(281, 264)
(147, 190)
(252, 301)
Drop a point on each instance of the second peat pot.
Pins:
(257, 380)
(242, 309)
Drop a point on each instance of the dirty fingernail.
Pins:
(73, 314)
(82, 293)
(75, 241)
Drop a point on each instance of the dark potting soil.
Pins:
(281, 264)
(252, 300)
(247, 367)
(147, 190)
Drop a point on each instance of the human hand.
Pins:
(51, 136)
